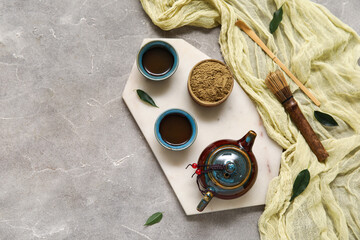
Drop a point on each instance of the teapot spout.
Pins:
(205, 201)
(247, 141)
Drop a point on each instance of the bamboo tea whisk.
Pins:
(277, 84)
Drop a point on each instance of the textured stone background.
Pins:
(74, 164)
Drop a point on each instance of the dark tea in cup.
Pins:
(175, 129)
(157, 60)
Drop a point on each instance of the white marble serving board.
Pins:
(230, 120)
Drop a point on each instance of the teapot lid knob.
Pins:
(230, 167)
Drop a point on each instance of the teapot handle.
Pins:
(205, 201)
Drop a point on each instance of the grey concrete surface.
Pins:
(74, 164)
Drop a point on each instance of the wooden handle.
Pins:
(256, 39)
(303, 125)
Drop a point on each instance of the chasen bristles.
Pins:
(276, 82)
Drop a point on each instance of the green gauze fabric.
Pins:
(322, 52)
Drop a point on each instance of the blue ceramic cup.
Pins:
(175, 129)
(157, 60)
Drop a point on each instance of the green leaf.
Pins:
(325, 119)
(277, 17)
(155, 218)
(145, 97)
(301, 182)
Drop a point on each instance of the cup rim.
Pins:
(193, 124)
(146, 47)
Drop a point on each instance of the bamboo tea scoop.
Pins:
(258, 41)
(277, 84)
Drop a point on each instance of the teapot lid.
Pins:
(237, 167)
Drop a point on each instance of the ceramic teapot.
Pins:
(226, 169)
